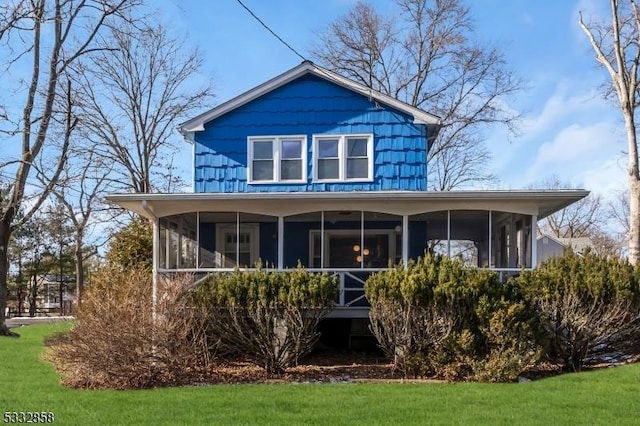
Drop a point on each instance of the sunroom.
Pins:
(347, 234)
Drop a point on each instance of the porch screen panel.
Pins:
(177, 243)
(343, 242)
(257, 242)
(188, 239)
(511, 239)
(523, 241)
(162, 243)
(214, 229)
(302, 241)
(173, 240)
(382, 240)
(437, 232)
(470, 237)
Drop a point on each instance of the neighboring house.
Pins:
(50, 285)
(314, 168)
(48, 295)
(550, 246)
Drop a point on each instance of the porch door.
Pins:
(237, 248)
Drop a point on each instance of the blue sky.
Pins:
(568, 129)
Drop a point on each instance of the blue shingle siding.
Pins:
(311, 106)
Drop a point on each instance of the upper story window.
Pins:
(277, 159)
(343, 158)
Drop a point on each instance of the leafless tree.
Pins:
(619, 211)
(426, 56)
(84, 182)
(133, 98)
(588, 217)
(577, 220)
(617, 47)
(39, 41)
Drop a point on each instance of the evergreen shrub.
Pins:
(438, 317)
(270, 318)
(589, 308)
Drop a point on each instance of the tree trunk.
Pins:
(79, 269)
(634, 187)
(5, 234)
(634, 220)
(33, 297)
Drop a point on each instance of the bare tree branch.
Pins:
(143, 83)
(427, 58)
(55, 33)
(617, 47)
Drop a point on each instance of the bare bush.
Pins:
(403, 332)
(118, 342)
(589, 329)
(273, 338)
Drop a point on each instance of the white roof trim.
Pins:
(197, 123)
(541, 203)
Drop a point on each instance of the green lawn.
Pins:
(608, 397)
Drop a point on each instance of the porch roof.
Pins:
(534, 202)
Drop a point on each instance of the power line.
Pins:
(270, 30)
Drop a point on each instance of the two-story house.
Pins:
(312, 167)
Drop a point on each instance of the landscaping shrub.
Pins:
(589, 307)
(439, 317)
(117, 343)
(270, 318)
(132, 245)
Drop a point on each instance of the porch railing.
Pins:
(351, 281)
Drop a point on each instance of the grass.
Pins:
(608, 396)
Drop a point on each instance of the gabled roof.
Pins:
(578, 244)
(197, 123)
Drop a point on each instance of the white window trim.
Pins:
(342, 157)
(277, 154)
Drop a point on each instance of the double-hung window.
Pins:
(343, 158)
(277, 159)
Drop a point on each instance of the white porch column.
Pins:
(179, 236)
(489, 260)
(155, 262)
(238, 240)
(448, 233)
(197, 239)
(321, 239)
(534, 240)
(362, 238)
(280, 242)
(405, 240)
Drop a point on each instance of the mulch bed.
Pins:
(348, 368)
(334, 368)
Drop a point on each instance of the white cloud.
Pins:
(566, 101)
(573, 126)
(607, 179)
(587, 156)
